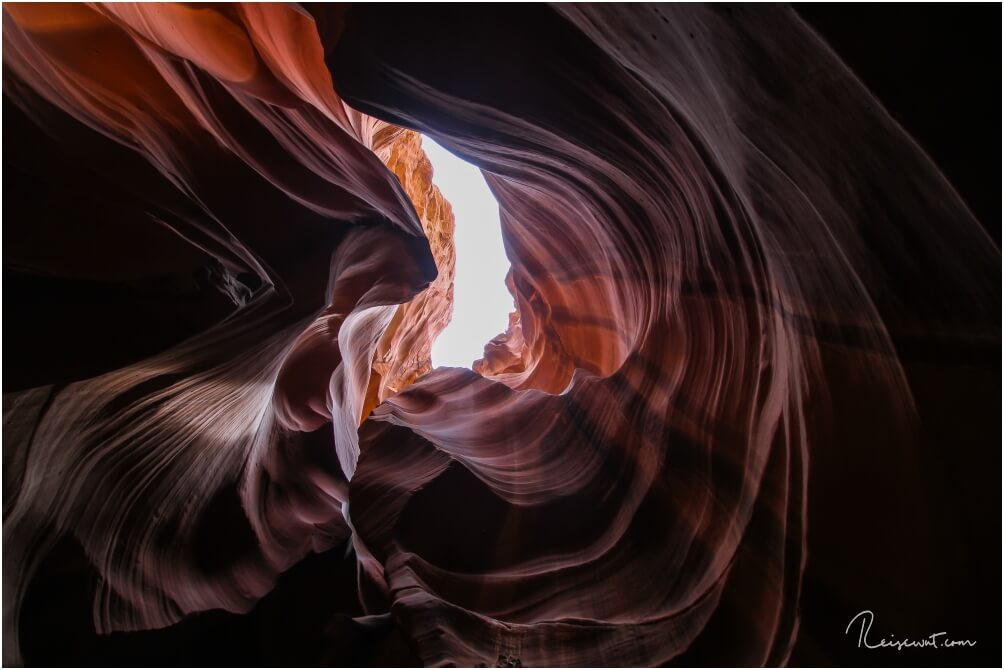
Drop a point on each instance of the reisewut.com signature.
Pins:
(864, 620)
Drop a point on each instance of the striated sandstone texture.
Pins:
(743, 396)
(404, 352)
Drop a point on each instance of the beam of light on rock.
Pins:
(481, 302)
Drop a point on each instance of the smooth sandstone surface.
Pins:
(729, 412)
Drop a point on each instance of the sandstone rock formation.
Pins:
(405, 351)
(753, 319)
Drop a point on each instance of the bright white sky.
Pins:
(481, 302)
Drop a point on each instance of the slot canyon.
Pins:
(747, 390)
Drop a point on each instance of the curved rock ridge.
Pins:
(753, 319)
(262, 175)
(714, 296)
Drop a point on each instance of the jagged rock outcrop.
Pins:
(753, 320)
(405, 351)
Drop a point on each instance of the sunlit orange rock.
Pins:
(405, 351)
(749, 388)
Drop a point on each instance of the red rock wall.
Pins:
(405, 351)
(726, 409)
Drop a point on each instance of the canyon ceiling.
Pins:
(749, 389)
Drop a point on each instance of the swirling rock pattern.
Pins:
(747, 303)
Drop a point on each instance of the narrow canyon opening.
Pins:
(481, 301)
(742, 283)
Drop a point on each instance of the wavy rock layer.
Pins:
(746, 303)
